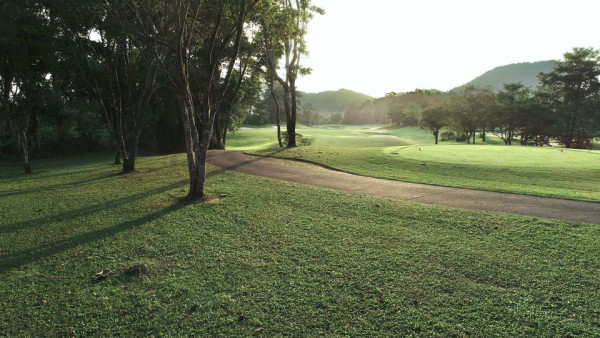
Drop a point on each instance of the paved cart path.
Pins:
(580, 211)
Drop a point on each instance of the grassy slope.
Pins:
(274, 258)
(553, 172)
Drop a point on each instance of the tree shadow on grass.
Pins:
(23, 257)
(15, 192)
(99, 177)
(81, 212)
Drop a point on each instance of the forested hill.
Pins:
(333, 101)
(526, 73)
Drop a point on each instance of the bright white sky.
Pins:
(379, 46)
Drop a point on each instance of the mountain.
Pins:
(525, 72)
(333, 101)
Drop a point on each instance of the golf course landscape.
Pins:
(264, 257)
(308, 168)
(407, 154)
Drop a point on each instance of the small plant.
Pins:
(301, 140)
(461, 137)
(448, 135)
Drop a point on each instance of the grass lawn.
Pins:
(265, 257)
(547, 171)
(265, 137)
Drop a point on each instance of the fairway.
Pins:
(265, 137)
(540, 171)
(265, 257)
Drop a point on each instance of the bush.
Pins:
(461, 137)
(448, 135)
(300, 139)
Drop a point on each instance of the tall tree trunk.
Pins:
(117, 157)
(215, 142)
(37, 140)
(225, 137)
(279, 131)
(129, 164)
(277, 115)
(435, 135)
(192, 145)
(204, 141)
(287, 108)
(129, 161)
(23, 142)
(291, 123)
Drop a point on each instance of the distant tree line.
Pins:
(565, 107)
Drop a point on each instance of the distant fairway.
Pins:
(264, 137)
(407, 154)
(332, 136)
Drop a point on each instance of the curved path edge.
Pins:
(554, 208)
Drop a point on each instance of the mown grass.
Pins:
(269, 258)
(547, 171)
(265, 137)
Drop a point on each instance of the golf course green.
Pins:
(408, 154)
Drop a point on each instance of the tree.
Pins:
(469, 111)
(537, 124)
(284, 25)
(243, 92)
(308, 115)
(572, 90)
(512, 102)
(405, 109)
(119, 66)
(26, 37)
(201, 40)
(241, 97)
(434, 118)
(352, 115)
(335, 118)
(277, 112)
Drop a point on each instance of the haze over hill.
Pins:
(525, 72)
(334, 101)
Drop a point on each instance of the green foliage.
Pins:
(275, 259)
(572, 90)
(265, 109)
(405, 109)
(448, 135)
(26, 52)
(335, 118)
(301, 140)
(435, 118)
(353, 116)
(470, 111)
(308, 115)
